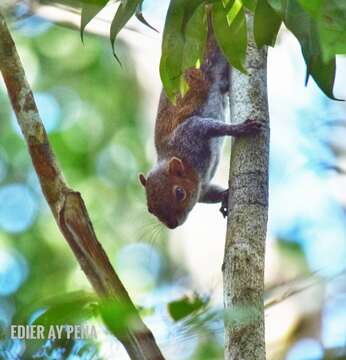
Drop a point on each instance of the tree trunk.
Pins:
(243, 267)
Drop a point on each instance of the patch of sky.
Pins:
(333, 323)
(305, 349)
(171, 337)
(155, 10)
(29, 26)
(301, 207)
(34, 184)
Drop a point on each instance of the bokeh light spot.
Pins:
(117, 165)
(49, 110)
(6, 312)
(139, 264)
(67, 48)
(33, 25)
(85, 132)
(13, 271)
(17, 208)
(334, 323)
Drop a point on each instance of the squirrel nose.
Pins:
(172, 224)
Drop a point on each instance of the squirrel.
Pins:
(188, 140)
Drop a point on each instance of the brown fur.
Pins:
(169, 116)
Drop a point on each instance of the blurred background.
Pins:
(100, 119)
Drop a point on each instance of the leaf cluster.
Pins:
(318, 25)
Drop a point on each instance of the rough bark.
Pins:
(68, 206)
(243, 268)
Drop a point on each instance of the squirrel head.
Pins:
(172, 189)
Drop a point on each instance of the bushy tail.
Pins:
(205, 97)
(215, 65)
(216, 70)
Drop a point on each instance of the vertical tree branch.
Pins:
(243, 268)
(67, 205)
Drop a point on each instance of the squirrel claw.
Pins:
(249, 127)
(224, 204)
(224, 211)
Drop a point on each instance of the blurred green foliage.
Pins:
(186, 306)
(98, 135)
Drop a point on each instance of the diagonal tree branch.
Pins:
(67, 205)
(243, 275)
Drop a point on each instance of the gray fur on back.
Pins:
(189, 140)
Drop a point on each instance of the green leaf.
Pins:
(172, 51)
(291, 247)
(332, 26)
(66, 309)
(305, 29)
(250, 4)
(59, 309)
(331, 18)
(117, 316)
(266, 24)
(89, 11)
(185, 306)
(331, 21)
(182, 43)
(196, 32)
(313, 7)
(232, 38)
(124, 12)
(232, 10)
(306, 25)
(65, 314)
(141, 18)
(276, 5)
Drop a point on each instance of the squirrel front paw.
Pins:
(248, 127)
(224, 204)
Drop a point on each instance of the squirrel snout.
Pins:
(172, 224)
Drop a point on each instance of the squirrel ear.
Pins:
(142, 179)
(176, 167)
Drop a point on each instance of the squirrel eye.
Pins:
(180, 193)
